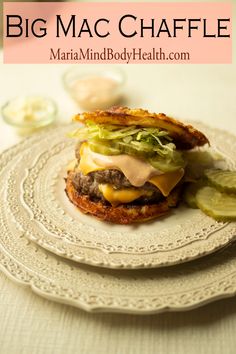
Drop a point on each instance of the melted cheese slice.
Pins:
(126, 195)
(71, 165)
(166, 182)
(87, 163)
(136, 174)
(137, 171)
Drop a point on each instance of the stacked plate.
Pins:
(46, 243)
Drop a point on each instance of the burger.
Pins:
(129, 164)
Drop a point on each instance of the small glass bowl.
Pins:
(29, 113)
(94, 88)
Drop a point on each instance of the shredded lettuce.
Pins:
(144, 139)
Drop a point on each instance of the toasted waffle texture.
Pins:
(184, 136)
(122, 214)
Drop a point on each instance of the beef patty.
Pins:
(88, 185)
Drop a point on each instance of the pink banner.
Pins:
(128, 33)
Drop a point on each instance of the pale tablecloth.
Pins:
(30, 324)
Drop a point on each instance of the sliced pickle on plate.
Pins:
(218, 205)
(222, 180)
(189, 195)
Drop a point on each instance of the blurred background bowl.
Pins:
(29, 113)
(94, 88)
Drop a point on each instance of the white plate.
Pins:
(55, 224)
(95, 289)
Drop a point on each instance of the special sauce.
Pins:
(96, 92)
(135, 170)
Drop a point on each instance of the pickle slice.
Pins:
(116, 148)
(225, 181)
(220, 206)
(164, 165)
(189, 195)
(102, 148)
(127, 148)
